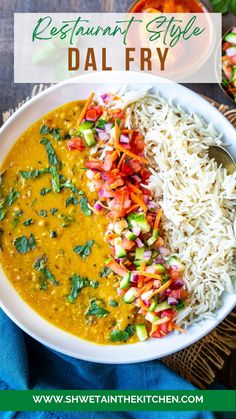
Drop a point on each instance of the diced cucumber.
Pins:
(120, 251)
(162, 306)
(160, 269)
(125, 282)
(140, 220)
(141, 331)
(130, 295)
(231, 37)
(89, 137)
(151, 318)
(138, 263)
(153, 305)
(174, 261)
(154, 237)
(139, 252)
(85, 125)
(130, 235)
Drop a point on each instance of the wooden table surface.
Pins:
(11, 94)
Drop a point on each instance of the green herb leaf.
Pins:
(43, 213)
(40, 265)
(35, 173)
(180, 306)
(53, 211)
(28, 222)
(122, 335)
(113, 303)
(15, 223)
(44, 130)
(223, 6)
(56, 133)
(68, 184)
(78, 282)
(67, 220)
(72, 200)
(45, 191)
(105, 272)
(13, 195)
(94, 284)
(52, 157)
(24, 244)
(101, 124)
(84, 250)
(53, 234)
(84, 206)
(55, 179)
(96, 309)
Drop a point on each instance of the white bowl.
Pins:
(18, 310)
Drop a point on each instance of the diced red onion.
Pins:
(147, 255)
(177, 284)
(231, 52)
(98, 206)
(163, 251)
(124, 139)
(106, 97)
(176, 294)
(136, 230)
(103, 136)
(159, 259)
(151, 205)
(233, 30)
(145, 199)
(146, 302)
(172, 301)
(134, 278)
(139, 242)
(108, 128)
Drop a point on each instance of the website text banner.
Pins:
(183, 47)
(117, 400)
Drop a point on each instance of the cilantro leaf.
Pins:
(78, 282)
(45, 191)
(101, 124)
(40, 265)
(13, 195)
(96, 309)
(72, 200)
(53, 211)
(28, 222)
(35, 173)
(24, 244)
(52, 157)
(84, 250)
(122, 335)
(84, 206)
(68, 184)
(44, 130)
(55, 179)
(56, 133)
(105, 272)
(113, 303)
(67, 220)
(43, 213)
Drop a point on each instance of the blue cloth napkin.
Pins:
(26, 364)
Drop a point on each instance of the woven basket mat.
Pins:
(200, 362)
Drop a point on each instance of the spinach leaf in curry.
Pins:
(78, 282)
(52, 157)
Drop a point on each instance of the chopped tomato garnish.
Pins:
(75, 144)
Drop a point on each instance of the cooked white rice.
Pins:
(197, 197)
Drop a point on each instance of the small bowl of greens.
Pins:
(229, 64)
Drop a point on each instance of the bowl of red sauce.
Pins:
(167, 6)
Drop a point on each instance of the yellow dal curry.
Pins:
(40, 228)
